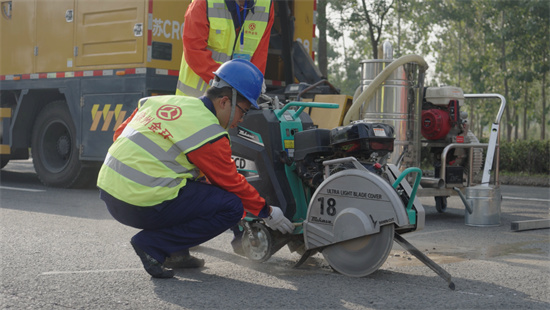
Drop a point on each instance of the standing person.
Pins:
(150, 179)
(216, 31)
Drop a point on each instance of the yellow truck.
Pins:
(71, 71)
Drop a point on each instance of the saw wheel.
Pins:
(361, 256)
(257, 242)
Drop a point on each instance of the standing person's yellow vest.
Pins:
(224, 43)
(147, 164)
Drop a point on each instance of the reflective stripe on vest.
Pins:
(138, 176)
(186, 90)
(145, 167)
(219, 57)
(224, 43)
(169, 157)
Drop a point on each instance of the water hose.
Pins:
(367, 94)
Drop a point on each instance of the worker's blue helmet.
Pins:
(244, 76)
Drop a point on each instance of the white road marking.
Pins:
(22, 189)
(528, 199)
(49, 273)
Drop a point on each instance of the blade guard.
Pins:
(350, 204)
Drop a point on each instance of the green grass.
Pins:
(523, 174)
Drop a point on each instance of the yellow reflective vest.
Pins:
(224, 43)
(147, 164)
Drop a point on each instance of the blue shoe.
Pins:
(183, 259)
(151, 265)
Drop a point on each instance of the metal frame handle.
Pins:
(494, 139)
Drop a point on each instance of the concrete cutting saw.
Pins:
(345, 199)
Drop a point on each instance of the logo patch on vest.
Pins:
(169, 112)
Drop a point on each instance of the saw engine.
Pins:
(369, 143)
(344, 199)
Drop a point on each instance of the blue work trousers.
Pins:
(199, 213)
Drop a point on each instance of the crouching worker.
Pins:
(152, 177)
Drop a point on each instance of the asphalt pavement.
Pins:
(60, 249)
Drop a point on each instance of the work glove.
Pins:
(263, 87)
(277, 221)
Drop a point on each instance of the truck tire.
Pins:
(54, 149)
(4, 159)
(3, 162)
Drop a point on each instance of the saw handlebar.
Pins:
(304, 105)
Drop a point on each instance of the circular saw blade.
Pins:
(361, 256)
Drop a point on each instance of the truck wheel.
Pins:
(54, 149)
(4, 159)
(3, 162)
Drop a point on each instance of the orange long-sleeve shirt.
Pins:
(195, 40)
(214, 160)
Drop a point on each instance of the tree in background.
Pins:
(498, 41)
(357, 27)
(482, 46)
(538, 43)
